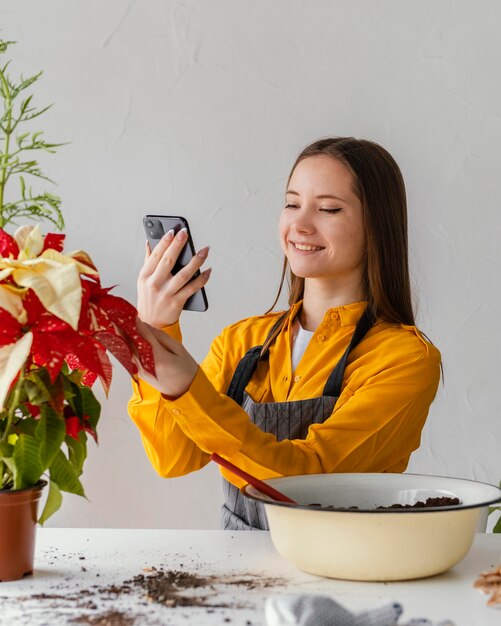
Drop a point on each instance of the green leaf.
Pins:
(6, 450)
(83, 402)
(90, 406)
(63, 473)
(50, 433)
(52, 504)
(497, 526)
(37, 391)
(27, 82)
(11, 466)
(27, 426)
(24, 107)
(21, 138)
(5, 44)
(27, 460)
(77, 451)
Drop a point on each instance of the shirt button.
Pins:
(335, 315)
(176, 411)
(320, 337)
(297, 379)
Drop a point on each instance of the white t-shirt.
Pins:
(299, 345)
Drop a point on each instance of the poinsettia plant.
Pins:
(58, 325)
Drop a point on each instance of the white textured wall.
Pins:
(200, 107)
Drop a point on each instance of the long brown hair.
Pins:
(380, 187)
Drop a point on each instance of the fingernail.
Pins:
(203, 253)
(206, 274)
(169, 234)
(182, 234)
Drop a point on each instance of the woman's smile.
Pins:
(305, 247)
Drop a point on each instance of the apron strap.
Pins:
(334, 382)
(243, 373)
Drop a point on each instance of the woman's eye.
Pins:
(292, 206)
(330, 210)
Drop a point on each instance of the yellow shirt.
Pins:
(390, 380)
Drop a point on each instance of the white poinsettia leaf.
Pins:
(54, 255)
(56, 285)
(5, 271)
(11, 301)
(30, 241)
(12, 358)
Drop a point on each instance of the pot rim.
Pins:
(38, 486)
(264, 499)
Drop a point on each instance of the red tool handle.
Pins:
(252, 480)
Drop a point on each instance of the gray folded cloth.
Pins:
(320, 610)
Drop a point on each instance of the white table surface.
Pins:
(70, 562)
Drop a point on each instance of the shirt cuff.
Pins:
(174, 331)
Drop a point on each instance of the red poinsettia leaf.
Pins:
(53, 364)
(10, 328)
(119, 348)
(88, 355)
(57, 395)
(50, 324)
(53, 241)
(124, 318)
(119, 310)
(8, 245)
(91, 431)
(48, 351)
(74, 426)
(86, 261)
(34, 308)
(92, 317)
(106, 376)
(100, 320)
(54, 341)
(34, 410)
(145, 354)
(89, 378)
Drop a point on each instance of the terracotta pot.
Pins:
(18, 517)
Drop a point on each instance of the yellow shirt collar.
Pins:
(349, 314)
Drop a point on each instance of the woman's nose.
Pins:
(302, 223)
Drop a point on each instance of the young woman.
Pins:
(340, 382)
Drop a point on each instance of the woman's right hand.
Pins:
(161, 295)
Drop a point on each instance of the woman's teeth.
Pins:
(306, 247)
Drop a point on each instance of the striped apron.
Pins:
(284, 420)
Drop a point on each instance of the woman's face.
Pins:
(321, 226)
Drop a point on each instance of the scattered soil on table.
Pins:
(78, 596)
(175, 588)
(111, 618)
(167, 588)
(429, 503)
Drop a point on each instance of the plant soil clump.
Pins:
(429, 503)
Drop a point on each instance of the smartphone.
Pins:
(155, 227)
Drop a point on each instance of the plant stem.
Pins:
(5, 156)
(12, 402)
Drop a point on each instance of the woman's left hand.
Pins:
(175, 367)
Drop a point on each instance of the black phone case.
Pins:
(155, 227)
